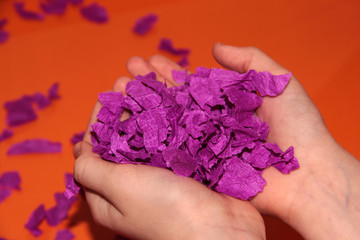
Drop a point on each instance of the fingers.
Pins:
(103, 211)
(92, 120)
(110, 180)
(165, 66)
(120, 84)
(242, 59)
(120, 184)
(91, 171)
(139, 66)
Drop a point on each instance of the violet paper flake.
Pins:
(4, 193)
(72, 188)
(167, 45)
(26, 14)
(95, 13)
(205, 129)
(35, 146)
(240, 180)
(35, 219)
(60, 211)
(10, 180)
(6, 133)
(179, 75)
(40, 100)
(19, 111)
(4, 35)
(64, 234)
(145, 23)
(53, 6)
(184, 60)
(3, 22)
(53, 92)
(77, 137)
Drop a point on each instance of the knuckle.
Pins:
(133, 60)
(155, 57)
(254, 50)
(76, 149)
(79, 169)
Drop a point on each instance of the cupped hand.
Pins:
(144, 202)
(322, 198)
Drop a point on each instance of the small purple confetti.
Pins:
(3, 36)
(72, 188)
(53, 6)
(179, 75)
(19, 7)
(35, 146)
(167, 45)
(4, 193)
(78, 137)
(60, 211)
(6, 133)
(53, 92)
(10, 180)
(68, 178)
(184, 61)
(35, 219)
(145, 23)
(41, 100)
(20, 111)
(3, 22)
(95, 13)
(64, 235)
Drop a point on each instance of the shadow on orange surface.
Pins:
(83, 215)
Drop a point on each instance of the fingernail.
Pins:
(77, 154)
(77, 150)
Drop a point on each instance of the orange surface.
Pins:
(319, 41)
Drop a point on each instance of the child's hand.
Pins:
(321, 200)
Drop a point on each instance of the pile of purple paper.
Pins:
(205, 129)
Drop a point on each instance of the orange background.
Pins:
(319, 41)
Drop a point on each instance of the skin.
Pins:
(320, 200)
(326, 187)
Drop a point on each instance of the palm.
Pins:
(294, 121)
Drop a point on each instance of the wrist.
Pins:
(230, 218)
(326, 205)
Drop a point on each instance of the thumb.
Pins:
(283, 112)
(242, 59)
